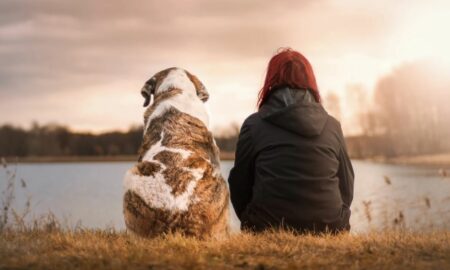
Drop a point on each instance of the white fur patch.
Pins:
(155, 191)
(177, 78)
(157, 194)
(187, 102)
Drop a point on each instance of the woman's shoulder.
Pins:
(333, 121)
(250, 124)
(334, 126)
(253, 121)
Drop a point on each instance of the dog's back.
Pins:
(176, 185)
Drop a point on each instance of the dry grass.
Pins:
(88, 249)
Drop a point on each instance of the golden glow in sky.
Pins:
(83, 65)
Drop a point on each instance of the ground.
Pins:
(89, 249)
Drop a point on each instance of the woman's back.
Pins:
(292, 164)
(291, 167)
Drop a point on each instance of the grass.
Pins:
(90, 249)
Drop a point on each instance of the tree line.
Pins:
(407, 114)
(58, 140)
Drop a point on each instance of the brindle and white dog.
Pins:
(176, 186)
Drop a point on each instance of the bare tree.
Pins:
(332, 103)
(411, 109)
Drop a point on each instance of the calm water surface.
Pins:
(91, 194)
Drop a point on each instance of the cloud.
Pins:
(51, 48)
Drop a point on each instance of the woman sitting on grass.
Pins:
(291, 168)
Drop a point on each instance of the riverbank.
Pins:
(89, 249)
(435, 160)
(68, 159)
(440, 161)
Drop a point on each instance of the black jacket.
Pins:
(291, 167)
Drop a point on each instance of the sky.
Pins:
(83, 63)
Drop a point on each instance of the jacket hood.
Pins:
(294, 110)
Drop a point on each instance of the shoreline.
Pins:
(441, 160)
(434, 160)
(71, 159)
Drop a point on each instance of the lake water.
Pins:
(386, 196)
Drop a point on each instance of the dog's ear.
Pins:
(148, 90)
(202, 93)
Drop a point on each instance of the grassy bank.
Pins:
(275, 250)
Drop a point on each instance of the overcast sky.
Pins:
(83, 63)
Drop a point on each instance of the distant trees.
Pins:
(13, 141)
(412, 105)
(227, 140)
(56, 140)
(409, 115)
(332, 103)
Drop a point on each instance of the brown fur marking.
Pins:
(199, 87)
(160, 97)
(148, 168)
(176, 176)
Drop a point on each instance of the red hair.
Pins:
(288, 68)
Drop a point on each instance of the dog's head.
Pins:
(173, 78)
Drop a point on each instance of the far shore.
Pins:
(441, 160)
(68, 159)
